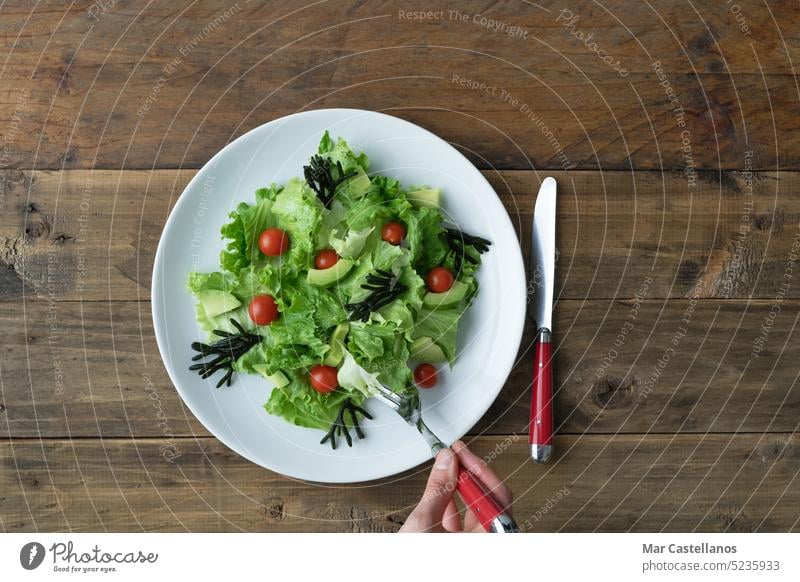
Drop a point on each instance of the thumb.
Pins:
(438, 492)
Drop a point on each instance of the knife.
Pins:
(542, 265)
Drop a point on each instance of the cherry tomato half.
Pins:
(439, 280)
(425, 376)
(323, 379)
(263, 310)
(326, 258)
(393, 233)
(273, 242)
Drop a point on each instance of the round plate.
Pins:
(488, 336)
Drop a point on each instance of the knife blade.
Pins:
(542, 267)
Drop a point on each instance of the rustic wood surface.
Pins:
(678, 226)
(715, 482)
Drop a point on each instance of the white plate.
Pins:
(489, 335)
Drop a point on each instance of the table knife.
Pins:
(542, 266)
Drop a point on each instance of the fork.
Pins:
(492, 516)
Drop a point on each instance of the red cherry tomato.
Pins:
(393, 233)
(263, 310)
(439, 280)
(273, 242)
(425, 376)
(323, 379)
(326, 258)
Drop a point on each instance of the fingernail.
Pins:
(459, 445)
(444, 459)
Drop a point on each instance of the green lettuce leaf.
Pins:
(389, 257)
(376, 351)
(341, 152)
(244, 285)
(247, 223)
(441, 325)
(392, 368)
(425, 238)
(300, 404)
(354, 378)
(332, 219)
(299, 213)
(350, 246)
(268, 193)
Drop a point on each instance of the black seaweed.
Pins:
(340, 426)
(225, 352)
(458, 242)
(384, 288)
(320, 177)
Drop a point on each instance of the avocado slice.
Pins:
(278, 379)
(359, 184)
(430, 197)
(335, 353)
(217, 302)
(424, 350)
(453, 295)
(329, 276)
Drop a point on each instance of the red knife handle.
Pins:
(541, 428)
(480, 502)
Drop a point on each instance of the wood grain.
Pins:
(168, 85)
(738, 483)
(730, 237)
(678, 235)
(676, 366)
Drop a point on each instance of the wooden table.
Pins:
(672, 132)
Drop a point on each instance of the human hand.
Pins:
(436, 510)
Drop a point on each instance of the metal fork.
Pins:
(475, 495)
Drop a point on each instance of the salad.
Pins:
(331, 284)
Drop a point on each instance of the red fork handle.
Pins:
(480, 502)
(541, 427)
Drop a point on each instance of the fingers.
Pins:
(452, 520)
(478, 467)
(471, 523)
(430, 511)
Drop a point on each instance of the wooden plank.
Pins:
(730, 237)
(621, 366)
(168, 85)
(738, 483)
